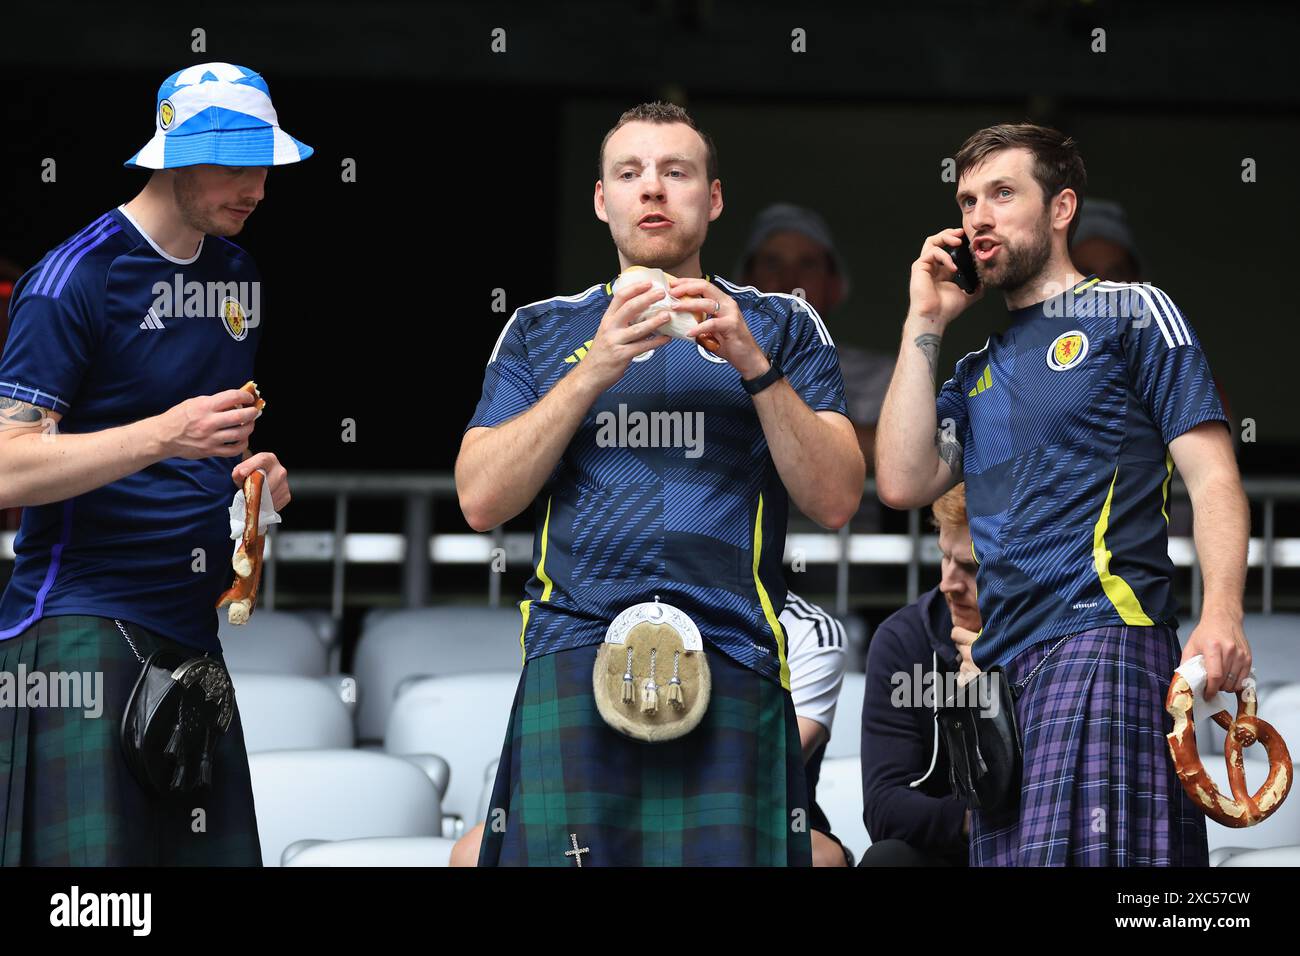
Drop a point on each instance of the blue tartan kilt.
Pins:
(732, 792)
(1099, 786)
(67, 797)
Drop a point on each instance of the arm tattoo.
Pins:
(16, 414)
(949, 450)
(928, 343)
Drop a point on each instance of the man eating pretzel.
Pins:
(653, 723)
(124, 434)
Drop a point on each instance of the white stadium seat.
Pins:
(846, 734)
(370, 851)
(430, 642)
(461, 718)
(277, 642)
(839, 794)
(287, 712)
(1281, 829)
(1274, 856)
(339, 795)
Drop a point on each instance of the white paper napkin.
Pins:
(1193, 672)
(265, 515)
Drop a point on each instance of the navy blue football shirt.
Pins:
(698, 520)
(108, 329)
(1065, 421)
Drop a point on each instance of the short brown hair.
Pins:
(658, 112)
(950, 509)
(1057, 163)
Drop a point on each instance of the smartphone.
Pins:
(965, 277)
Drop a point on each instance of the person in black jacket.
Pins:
(908, 805)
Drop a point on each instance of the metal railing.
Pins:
(843, 549)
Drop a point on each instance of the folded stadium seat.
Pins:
(461, 718)
(288, 712)
(432, 642)
(1274, 856)
(277, 642)
(370, 851)
(1281, 829)
(839, 794)
(339, 795)
(846, 730)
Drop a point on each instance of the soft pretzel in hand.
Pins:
(1244, 809)
(247, 560)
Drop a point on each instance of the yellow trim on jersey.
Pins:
(1164, 489)
(1085, 285)
(772, 620)
(972, 551)
(525, 606)
(1116, 588)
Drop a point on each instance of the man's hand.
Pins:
(209, 426)
(964, 638)
(725, 323)
(1219, 636)
(617, 341)
(933, 294)
(277, 478)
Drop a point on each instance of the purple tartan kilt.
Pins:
(1099, 787)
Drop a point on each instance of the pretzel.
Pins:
(258, 402)
(1244, 809)
(247, 560)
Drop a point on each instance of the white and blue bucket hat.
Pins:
(217, 113)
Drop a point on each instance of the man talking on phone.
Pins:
(1066, 428)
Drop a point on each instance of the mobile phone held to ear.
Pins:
(965, 277)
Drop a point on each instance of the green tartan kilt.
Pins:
(732, 792)
(66, 795)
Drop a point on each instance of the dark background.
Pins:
(475, 171)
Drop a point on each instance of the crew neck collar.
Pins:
(1044, 307)
(157, 248)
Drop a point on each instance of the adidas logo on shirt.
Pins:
(151, 321)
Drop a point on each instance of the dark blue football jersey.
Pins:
(668, 488)
(108, 329)
(1065, 421)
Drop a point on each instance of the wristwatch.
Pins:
(756, 385)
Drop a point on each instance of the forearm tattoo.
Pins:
(949, 449)
(929, 346)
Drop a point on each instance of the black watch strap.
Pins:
(756, 385)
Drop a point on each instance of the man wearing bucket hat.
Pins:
(122, 429)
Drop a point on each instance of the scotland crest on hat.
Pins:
(217, 113)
